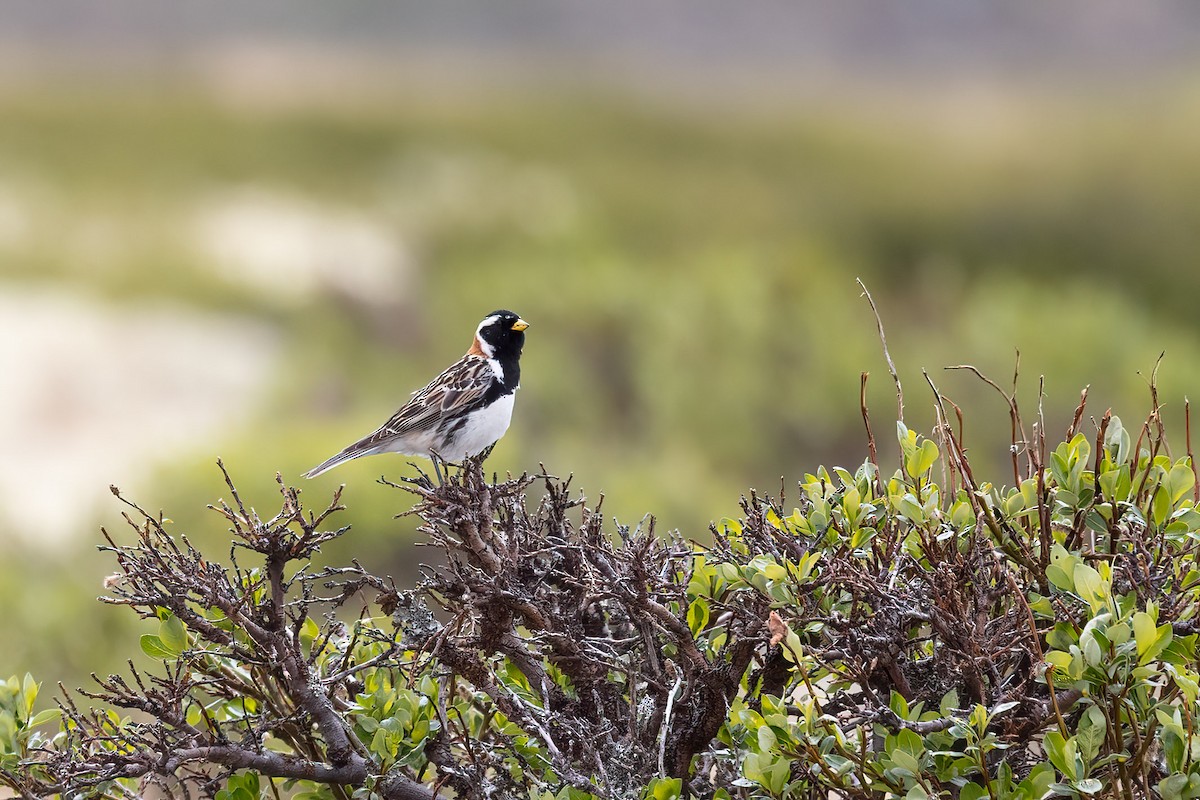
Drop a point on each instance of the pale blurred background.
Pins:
(248, 229)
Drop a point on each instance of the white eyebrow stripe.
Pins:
(494, 318)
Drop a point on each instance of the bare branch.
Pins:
(886, 355)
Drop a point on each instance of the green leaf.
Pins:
(1117, 440)
(1187, 681)
(979, 717)
(778, 775)
(1062, 636)
(1094, 650)
(908, 506)
(1062, 662)
(309, 631)
(949, 702)
(1118, 633)
(793, 648)
(1182, 479)
(29, 693)
(910, 742)
(1062, 754)
(154, 647)
(1090, 735)
(697, 615)
(173, 634)
(732, 573)
(1037, 783)
(1091, 587)
(972, 791)
(1059, 578)
(907, 751)
(251, 783)
(1060, 571)
(754, 767)
(851, 502)
(1172, 787)
(44, 716)
(1058, 466)
(1161, 641)
(921, 459)
(1160, 505)
(767, 741)
(665, 788)
(1144, 632)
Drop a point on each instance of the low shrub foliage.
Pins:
(917, 632)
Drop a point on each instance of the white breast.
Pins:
(481, 429)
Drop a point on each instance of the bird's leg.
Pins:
(437, 468)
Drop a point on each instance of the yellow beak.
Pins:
(520, 325)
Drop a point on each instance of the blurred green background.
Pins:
(249, 230)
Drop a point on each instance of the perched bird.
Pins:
(463, 411)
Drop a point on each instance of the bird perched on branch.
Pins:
(463, 411)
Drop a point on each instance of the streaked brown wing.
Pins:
(462, 385)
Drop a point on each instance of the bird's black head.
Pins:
(501, 335)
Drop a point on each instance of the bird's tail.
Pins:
(352, 452)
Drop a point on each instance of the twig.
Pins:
(871, 449)
(1017, 444)
(1187, 420)
(886, 355)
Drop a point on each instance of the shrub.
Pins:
(923, 633)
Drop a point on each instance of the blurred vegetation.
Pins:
(689, 277)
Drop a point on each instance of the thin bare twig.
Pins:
(886, 355)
